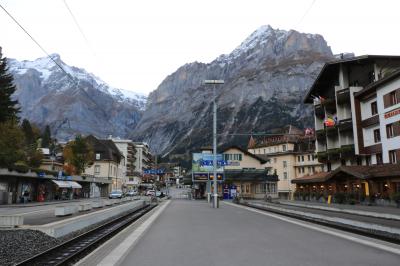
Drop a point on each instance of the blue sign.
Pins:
(154, 171)
(211, 162)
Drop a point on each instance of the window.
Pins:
(374, 108)
(313, 169)
(97, 156)
(389, 131)
(309, 157)
(284, 164)
(393, 98)
(309, 169)
(298, 158)
(302, 158)
(392, 157)
(285, 175)
(329, 166)
(379, 158)
(313, 157)
(368, 160)
(97, 169)
(377, 135)
(264, 151)
(283, 147)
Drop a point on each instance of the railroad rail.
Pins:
(74, 249)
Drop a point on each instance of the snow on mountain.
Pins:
(47, 67)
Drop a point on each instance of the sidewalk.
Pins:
(53, 202)
(375, 211)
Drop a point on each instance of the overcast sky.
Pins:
(134, 45)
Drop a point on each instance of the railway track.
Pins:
(74, 249)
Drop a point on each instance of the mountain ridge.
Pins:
(270, 64)
(72, 100)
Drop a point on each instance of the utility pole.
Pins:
(215, 196)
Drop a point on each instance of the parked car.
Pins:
(150, 192)
(115, 194)
(132, 193)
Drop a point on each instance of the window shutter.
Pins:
(386, 100)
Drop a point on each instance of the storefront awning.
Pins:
(67, 184)
(74, 184)
(61, 184)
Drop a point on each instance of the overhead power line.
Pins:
(36, 42)
(79, 27)
(306, 13)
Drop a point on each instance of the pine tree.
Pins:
(29, 136)
(46, 137)
(8, 107)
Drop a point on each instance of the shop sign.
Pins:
(392, 113)
(200, 177)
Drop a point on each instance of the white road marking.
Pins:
(117, 255)
(323, 230)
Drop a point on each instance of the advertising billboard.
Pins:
(203, 163)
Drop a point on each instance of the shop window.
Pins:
(374, 108)
(392, 157)
(377, 135)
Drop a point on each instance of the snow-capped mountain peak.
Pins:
(50, 73)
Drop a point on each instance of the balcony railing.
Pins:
(343, 96)
(345, 124)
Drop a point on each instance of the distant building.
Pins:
(249, 173)
(108, 163)
(290, 155)
(143, 156)
(132, 178)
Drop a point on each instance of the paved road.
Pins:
(190, 233)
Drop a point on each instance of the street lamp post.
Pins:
(214, 82)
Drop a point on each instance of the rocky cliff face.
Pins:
(76, 102)
(265, 80)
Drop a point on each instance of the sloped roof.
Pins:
(371, 87)
(261, 160)
(357, 171)
(333, 66)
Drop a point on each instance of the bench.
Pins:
(65, 210)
